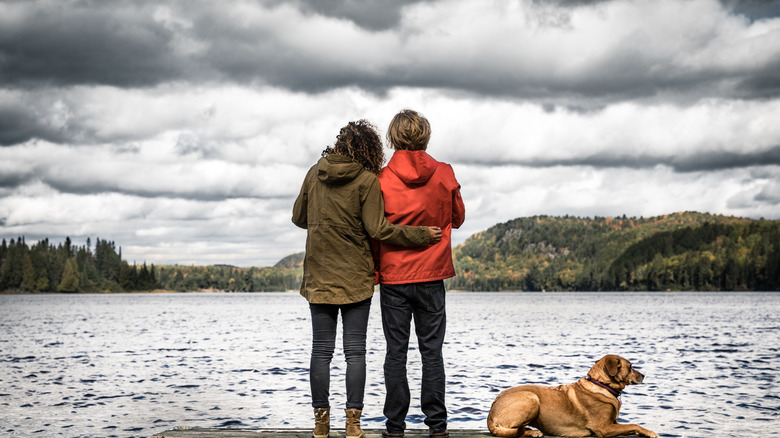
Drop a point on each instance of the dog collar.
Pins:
(611, 391)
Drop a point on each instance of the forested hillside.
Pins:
(682, 251)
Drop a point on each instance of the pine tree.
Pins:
(127, 276)
(42, 282)
(143, 278)
(3, 251)
(70, 277)
(153, 283)
(28, 273)
(11, 273)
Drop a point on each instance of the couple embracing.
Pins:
(392, 225)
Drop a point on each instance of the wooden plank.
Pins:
(196, 432)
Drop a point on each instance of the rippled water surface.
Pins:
(132, 365)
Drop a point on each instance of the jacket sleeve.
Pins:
(376, 249)
(373, 214)
(458, 208)
(300, 213)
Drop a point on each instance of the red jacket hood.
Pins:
(412, 167)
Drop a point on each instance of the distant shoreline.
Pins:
(454, 291)
(156, 291)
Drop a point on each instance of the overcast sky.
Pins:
(182, 130)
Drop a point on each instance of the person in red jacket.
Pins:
(418, 190)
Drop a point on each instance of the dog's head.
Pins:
(616, 372)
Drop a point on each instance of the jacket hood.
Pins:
(412, 167)
(337, 169)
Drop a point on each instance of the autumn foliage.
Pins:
(681, 251)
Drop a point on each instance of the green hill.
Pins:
(681, 251)
(291, 261)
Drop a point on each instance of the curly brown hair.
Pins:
(360, 142)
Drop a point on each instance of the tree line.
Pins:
(285, 275)
(682, 251)
(45, 267)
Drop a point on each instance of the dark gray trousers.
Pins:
(425, 302)
(324, 318)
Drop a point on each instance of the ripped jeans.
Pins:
(324, 318)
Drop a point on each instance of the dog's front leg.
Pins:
(623, 429)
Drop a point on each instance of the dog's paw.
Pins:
(652, 434)
(533, 433)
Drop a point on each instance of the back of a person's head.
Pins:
(360, 142)
(409, 131)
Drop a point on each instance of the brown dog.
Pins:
(586, 407)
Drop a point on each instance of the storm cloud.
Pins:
(182, 129)
(602, 51)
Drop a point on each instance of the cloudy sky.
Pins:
(182, 130)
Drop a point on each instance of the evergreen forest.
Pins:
(44, 267)
(679, 252)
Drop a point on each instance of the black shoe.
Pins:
(441, 434)
(386, 434)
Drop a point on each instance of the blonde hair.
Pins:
(409, 131)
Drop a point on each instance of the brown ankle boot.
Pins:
(321, 423)
(353, 423)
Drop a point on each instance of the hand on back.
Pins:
(435, 234)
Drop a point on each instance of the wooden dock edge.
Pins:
(197, 432)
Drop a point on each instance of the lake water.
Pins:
(136, 364)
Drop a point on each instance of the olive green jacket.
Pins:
(340, 205)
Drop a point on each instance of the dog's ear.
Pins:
(612, 365)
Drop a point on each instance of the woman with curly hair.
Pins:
(340, 205)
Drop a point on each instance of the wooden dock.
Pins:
(197, 432)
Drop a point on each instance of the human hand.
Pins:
(435, 234)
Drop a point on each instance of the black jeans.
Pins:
(354, 323)
(425, 303)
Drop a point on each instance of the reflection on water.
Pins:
(132, 365)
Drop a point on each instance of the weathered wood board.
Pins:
(184, 432)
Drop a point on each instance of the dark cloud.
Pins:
(94, 187)
(10, 180)
(26, 120)
(570, 3)
(380, 15)
(764, 84)
(122, 44)
(708, 161)
(770, 194)
(130, 44)
(71, 43)
(754, 9)
(18, 126)
(700, 162)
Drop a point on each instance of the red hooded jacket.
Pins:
(419, 190)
